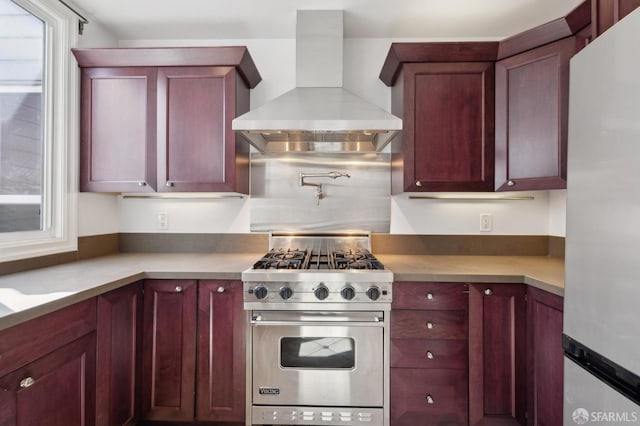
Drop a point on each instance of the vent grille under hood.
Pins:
(318, 115)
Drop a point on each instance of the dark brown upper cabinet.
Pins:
(160, 119)
(466, 128)
(532, 102)
(444, 94)
(605, 13)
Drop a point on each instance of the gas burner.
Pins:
(357, 259)
(283, 259)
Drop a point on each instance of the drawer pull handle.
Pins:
(430, 399)
(429, 296)
(418, 183)
(429, 355)
(169, 183)
(511, 183)
(25, 383)
(178, 289)
(142, 183)
(488, 292)
(429, 325)
(220, 289)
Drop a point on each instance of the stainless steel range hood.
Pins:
(318, 115)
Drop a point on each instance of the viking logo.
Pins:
(269, 391)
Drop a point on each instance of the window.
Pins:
(38, 118)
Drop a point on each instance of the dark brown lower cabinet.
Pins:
(497, 354)
(221, 365)
(497, 357)
(119, 344)
(545, 358)
(169, 350)
(429, 396)
(193, 326)
(429, 354)
(57, 389)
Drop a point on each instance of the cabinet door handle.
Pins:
(430, 355)
(26, 382)
(142, 183)
(488, 292)
(178, 289)
(169, 183)
(220, 289)
(429, 325)
(418, 183)
(511, 183)
(430, 399)
(429, 296)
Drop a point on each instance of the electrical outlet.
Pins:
(486, 222)
(162, 222)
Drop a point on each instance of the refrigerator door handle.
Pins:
(614, 375)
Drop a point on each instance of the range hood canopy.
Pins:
(318, 115)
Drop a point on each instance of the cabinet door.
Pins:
(196, 145)
(221, 352)
(497, 357)
(532, 101)
(605, 13)
(448, 127)
(55, 390)
(545, 358)
(119, 342)
(169, 349)
(118, 130)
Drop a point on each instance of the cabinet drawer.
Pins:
(448, 325)
(30, 340)
(429, 397)
(432, 296)
(415, 353)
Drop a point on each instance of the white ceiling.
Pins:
(241, 19)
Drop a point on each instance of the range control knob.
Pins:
(348, 293)
(260, 292)
(321, 292)
(373, 293)
(286, 292)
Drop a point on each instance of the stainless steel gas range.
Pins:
(318, 341)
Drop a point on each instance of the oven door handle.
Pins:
(316, 323)
(377, 322)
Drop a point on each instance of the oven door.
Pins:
(318, 358)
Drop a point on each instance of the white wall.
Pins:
(188, 216)
(557, 212)
(363, 59)
(97, 214)
(509, 217)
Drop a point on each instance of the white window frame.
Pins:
(60, 147)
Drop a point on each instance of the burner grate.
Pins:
(283, 259)
(318, 259)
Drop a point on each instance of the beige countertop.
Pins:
(546, 273)
(27, 295)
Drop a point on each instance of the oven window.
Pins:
(317, 352)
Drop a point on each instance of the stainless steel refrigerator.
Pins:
(602, 295)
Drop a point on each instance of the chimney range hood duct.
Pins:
(318, 115)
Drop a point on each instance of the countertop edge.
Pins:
(14, 318)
